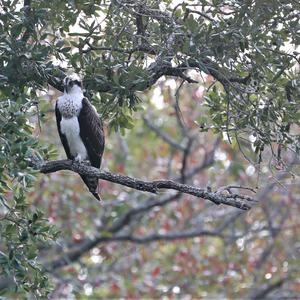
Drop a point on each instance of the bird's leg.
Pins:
(98, 191)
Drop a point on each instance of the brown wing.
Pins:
(91, 133)
(61, 135)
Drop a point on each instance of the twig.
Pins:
(140, 48)
(166, 138)
(179, 116)
(185, 159)
(204, 15)
(266, 289)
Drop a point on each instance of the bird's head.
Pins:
(72, 83)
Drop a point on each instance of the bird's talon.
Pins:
(78, 159)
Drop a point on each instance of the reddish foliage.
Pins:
(155, 271)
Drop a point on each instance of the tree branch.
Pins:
(27, 23)
(140, 48)
(128, 216)
(235, 200)
(165, 137)
(266, 289)
(210, 67)
(75, 254)
(204, 15)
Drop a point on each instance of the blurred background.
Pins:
(204, 93)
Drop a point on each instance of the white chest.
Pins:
(70, 128)
(70, 104)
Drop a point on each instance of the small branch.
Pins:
(234, 200)
(171, 236)
(202, 14)
(186, 153)
(140, 48)
(266, 289)
(208, 160)
(166, 138)
(128, 216)
(209, 67)
(178, 113)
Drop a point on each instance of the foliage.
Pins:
(245, 57)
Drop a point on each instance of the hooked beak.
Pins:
(68, 85)
(66, 88)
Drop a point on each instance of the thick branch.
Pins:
(234, 200)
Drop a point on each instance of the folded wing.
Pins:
(91, 133)
(61, 135)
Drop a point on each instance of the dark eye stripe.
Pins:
(68, 81)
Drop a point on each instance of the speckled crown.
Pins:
(72, 77)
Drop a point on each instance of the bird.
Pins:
(80, 128)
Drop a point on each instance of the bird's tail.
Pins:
(92, 184)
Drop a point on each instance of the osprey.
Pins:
(80, 129)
